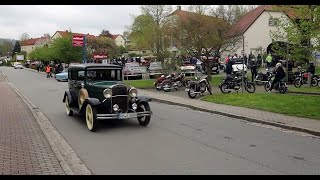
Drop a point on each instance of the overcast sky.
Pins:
(40, 19)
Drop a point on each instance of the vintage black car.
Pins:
(98, 92)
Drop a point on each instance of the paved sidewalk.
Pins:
(24, 148)
(310, 126)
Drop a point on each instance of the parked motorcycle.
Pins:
(198, 87)
(261, 78)
(279, 86)
(158, 84)
(318, 82)
(175, 82)
(234, 83)
(303, 79)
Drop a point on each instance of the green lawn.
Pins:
(295, 105)
(143, 84)
(305, 89)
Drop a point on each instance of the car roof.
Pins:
(93, 65)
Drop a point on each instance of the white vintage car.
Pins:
(238, 65)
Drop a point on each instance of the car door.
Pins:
(72, 78)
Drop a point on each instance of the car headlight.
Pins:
(107, 93)
(134, 106)
(133, 92)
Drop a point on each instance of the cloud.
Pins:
(37, 20)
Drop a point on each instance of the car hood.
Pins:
(103, 84)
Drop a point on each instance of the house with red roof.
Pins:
(30, 44)
(119, 40)
(254, 29)
(59, 34)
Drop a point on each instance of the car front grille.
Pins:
(120, 97)
(119, 90)
(121, 101)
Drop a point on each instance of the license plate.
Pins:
(127, 115)
(186, 89)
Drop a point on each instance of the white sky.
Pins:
(37, 20)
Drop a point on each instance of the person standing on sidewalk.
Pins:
(269, 61)
(48, 71)
(253, 67)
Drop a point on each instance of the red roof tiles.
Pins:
(65, 33)
(248, 19)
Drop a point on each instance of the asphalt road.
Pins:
(177, 141)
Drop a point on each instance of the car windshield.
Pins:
(104, 75)
(237, 61)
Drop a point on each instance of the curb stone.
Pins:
(68, 159)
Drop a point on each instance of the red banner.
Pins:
(77, 40)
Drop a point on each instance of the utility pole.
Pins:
(84, 50)
(242, 63)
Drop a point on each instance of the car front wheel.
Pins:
(91, 118)
(68, 110)
(144, 121)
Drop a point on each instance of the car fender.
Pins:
(67, 93)
(91, 101)
(141, 99)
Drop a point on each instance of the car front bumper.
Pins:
(123, 115)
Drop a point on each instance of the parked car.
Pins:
(63, 76)
(238, 65)
(17, 65)
(98, 92)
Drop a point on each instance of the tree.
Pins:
(24, 36)
(301, 32)
(142, 32)
(231, 13)
(16, 48)
(103, 45)
(123, 50)
(105, 33)
(63, 51)
(6, 48)
(199, 9)
(159, 14)
(202, 34)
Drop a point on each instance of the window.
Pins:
(80, 76)
(104, 75)
(73, 74)
(273, 21)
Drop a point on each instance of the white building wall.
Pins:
(120, 41)
(257, 35)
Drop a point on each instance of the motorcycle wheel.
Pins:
(166, 89)
(158, 86)
(282, 89)
(314, 82)
(259, 78)
(267, 86)
(297, 83)
(318, 83)
(223, 88)
(250, 88)
(191, 93)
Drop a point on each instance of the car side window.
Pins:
(80, 75)
(73, 73)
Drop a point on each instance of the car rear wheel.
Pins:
(144, 121)
(91, 117)
(68, 110)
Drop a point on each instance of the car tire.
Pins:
(68, 110)
(144, 121)
(91, 118)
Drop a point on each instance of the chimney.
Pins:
(179, 8)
